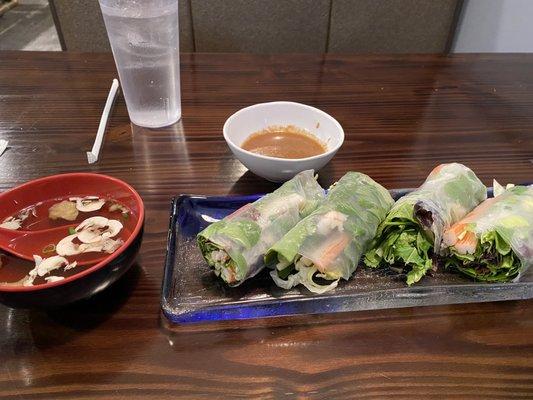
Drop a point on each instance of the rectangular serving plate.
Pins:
(192, 293)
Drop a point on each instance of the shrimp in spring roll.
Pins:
(494, 243)
(410, 237)
(235, 246)
(328, 244)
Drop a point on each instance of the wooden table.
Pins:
(402, 115)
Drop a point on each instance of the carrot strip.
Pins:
(331, 252)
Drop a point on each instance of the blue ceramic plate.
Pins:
(192, 293)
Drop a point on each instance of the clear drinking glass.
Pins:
(144, 36)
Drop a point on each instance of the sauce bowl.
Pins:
(246, 121)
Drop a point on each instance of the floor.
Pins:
(29, 26)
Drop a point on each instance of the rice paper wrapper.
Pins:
(411, 235)
(336, 235)
(249, 232)
(449, 193)
(507, 221)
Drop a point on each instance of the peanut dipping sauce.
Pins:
(284, 142)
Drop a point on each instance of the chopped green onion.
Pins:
(49, 249)
(71, 231)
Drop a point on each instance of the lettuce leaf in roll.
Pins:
(412, 233)
(328, 244)
(235, 246)
(494, 243)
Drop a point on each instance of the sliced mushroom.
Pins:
(70, 266)
(43, 266)
(95, 235)
(49, 279)
(15, 222)
(95, 229)
(37, 259)
(25, 213)
(92, 222)
(66, 246)
(27, 281)
(110, 245)
(119, 207)
(65, 210)
(11, 223)
(89, 235)
(88, 203)
(113, 228)
(50, 264)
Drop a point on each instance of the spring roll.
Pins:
(494, 243)
(235, 246)
(411, 236)
(328, 244)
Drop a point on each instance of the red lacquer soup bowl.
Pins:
(95, 271)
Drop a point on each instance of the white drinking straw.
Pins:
(3, 146)
(92, 156)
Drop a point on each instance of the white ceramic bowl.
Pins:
(281, 113)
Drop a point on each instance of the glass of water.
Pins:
(144, 36)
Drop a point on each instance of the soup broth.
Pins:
(38, 218)
(284, 142)
(38, 215)
(14, 269)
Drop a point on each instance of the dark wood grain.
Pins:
(402, 115)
